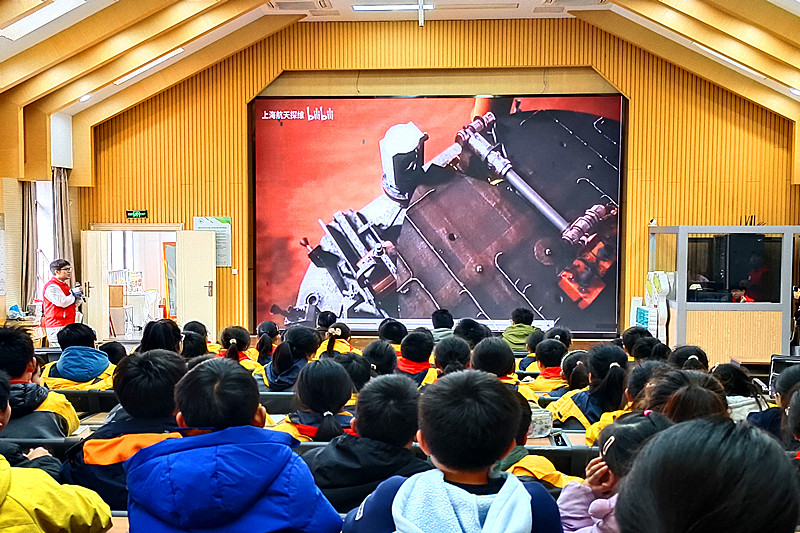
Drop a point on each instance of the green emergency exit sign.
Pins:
(136, 213)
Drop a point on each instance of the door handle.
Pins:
(210, 288)
(88, 289)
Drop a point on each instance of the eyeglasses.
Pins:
(66, 269)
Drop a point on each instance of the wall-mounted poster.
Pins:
(394, 207)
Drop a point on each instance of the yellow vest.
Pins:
(58, 404)
(339, 345)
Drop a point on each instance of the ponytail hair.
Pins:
(560, 334)
(451, 354)
(683, 395)
(324, 387)
(337, 330)
(234, 339)
(381, 356)
(267, 331)
(736, 381)
(607, 365)
(689, 358)
(299, 342)
(575, 370)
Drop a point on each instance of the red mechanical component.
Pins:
(582, 281)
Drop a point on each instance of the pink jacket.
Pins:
(582, 512)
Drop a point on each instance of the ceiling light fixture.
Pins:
(84, 98)
(392, 7)
(39, 18)
(794, 91)
(148, 66)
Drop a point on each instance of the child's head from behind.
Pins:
(689, 358)
(417, 347)
(323, 387)
(325, 319)
(607, 366)
(114, 350)
(196, 327)
(560, 334)
(387, 410)
(161, 334)
(533, 340)
(299, 343)
(468, 420)
(735, 380)
(16, 352)
(392, 331)
(632, 335)
(441, 318)
(522, 315)
(194, 345)
(76, 335)
(787, 379)
(451, 354)
(620, 441)
(550, 352)
(650, 348)
(471, 331)
(357, 367)
(575, 370)
(709, 475)
(493, 355)
(382, 357)
(218, 393)
(637, 380)
(683, 395)
(145, 383)
(234, 339)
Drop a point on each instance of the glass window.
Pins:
(736, 267)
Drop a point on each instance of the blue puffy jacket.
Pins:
(238, 479)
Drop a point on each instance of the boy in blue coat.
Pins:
(238, 477)
(468, 420)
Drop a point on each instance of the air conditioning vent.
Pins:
(548, 9)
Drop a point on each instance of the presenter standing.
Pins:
(60, 302)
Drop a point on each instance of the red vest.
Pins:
(54, 316)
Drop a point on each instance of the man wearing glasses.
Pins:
(60, 301)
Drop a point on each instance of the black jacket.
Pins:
(349, 468)
(28, 421)
(97, 462)
(13, 455)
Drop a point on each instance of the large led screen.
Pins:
(394, 207)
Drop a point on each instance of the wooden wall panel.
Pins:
(720, 334)
(696, 153)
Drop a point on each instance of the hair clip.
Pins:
(557, 337)
(607, 445)
(373, 367)
(614, 364)
(327, 413)
(579, 363)
(692, 357)
(647, 412)
(336, 332)
(233, 341)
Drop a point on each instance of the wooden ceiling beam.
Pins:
(84, 122)
(736, 28)
(75, 39)
(37, 114)
(704, 67)
(764, 14)
(710, 37)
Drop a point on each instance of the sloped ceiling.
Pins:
(751, 47)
